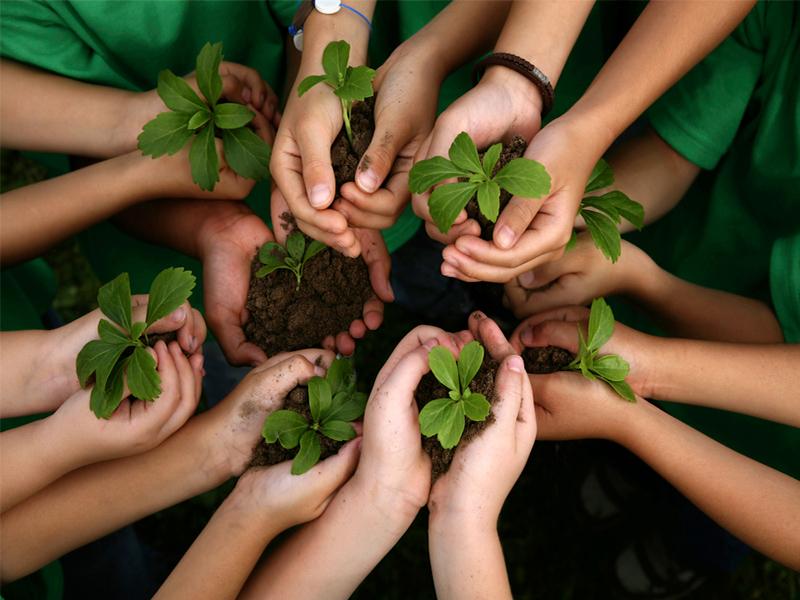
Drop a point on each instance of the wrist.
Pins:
(321, 29)
(394, 508)
(454, 523)
(586, 125)
(244, 509)
(135, 109)
(516, 85)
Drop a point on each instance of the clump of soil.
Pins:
(510, 151)
(154, 338)
(429, 389)
(546, 359)
(271, 454)
(345, 157)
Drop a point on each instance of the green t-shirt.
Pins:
(785, 284)
(737, 115)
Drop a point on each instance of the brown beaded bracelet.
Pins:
(524, 68)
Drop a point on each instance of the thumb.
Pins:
(552, 333)
(172, 322)
(508, 390)
(514, 220)
(387, 141)
(330, 474)
(486, 331)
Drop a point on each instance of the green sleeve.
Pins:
(784, 275)
(699, 115)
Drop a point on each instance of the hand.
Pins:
(529, 233)
(137, 425)
(502, 105)
(484, 471)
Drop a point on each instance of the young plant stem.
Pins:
(346, 106)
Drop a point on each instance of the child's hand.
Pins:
(136, 426)
(484, 471)
(583, 273)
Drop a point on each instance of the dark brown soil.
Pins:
(345, 157)
(546, 359)
(332, 294)
(430, 389)
(170, 336)
(271, 454)
(510, 151)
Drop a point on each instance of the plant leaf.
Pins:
(427, 173)
(447, 201)
(171, 288)
(476, 407)
(452, 425)
(313, 249)
(601, 176)
(524, 178)
(340, 375)
(319, 398)
(604, 207)
(246, 153)
(207, 71)
(177, 94)
(99, 357)
(334, 60)
(137, 329)
(490, 158)
(114, 299)
(309, 452)
(464, 154)
(611, 367)
(204, 160)
(572, 242)
(357, 84)
(350, 409)
(623, 389)
(489, 199)
(109, 333)
(295, 245)
(166, 134)
(285, 426)
(231, 115)
(104, 400)
(339, 431)
(271, 253)
(432, 415)
(469, 362)
(601, 324)
(604, 233)
(267, 269)
(444, 368)
(144, 381)
(200, 118)
(628, 209)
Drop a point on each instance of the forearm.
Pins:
(754, 502)
(29, 385)
(320, 29)
(467, 560)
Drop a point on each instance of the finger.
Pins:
(346, 243)
(552, 333)
(478, 270)
(170, 391)
(373, 314)
(486, 331)
(318, 177)
(172, 322)
(565, 291)
(400, 383)
(562, 313)
(527, 425)
(316, 356)
(382, 202)
(357, 217)
(449, 271)
(379, 264)
(514, 220)
(387, 141)
(188, 397)
(330, 474)
(417, 337)
(197, 360)
(235, 90)
(345, 344)
(199, 330)
(277, 381)
(508, 391)
(358, 329)
(227, 328)
(529, 251)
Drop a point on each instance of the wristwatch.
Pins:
(326, 7)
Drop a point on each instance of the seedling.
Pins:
(350, 84)
(334, 404)
(610, 368)
(445, 417)
(520, 177)
(191, 118)
(292, 257)
(121, 352)
(603, 213)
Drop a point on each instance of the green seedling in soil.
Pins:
(445, 417)
(121, 352)
(350, 84)
(334, 404)
(610, 368)
(293, 257)
(520, 177)
(191, 118)
(603, 213)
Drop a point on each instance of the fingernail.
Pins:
(526, 336)
(192, 344)
(178, 314)
(319, 371)
(200, 364)
(453, 261)
(527, 279)
(505, 237)
(367, 180)
(478, 315)
(319, 195)
(430, 344)
(448, 271)
(515, 364)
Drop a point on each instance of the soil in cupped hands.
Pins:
(542, 360)
(344, 156)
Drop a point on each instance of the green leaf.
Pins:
(204, 160)
(464, 154)
(432, 415)
(272, 253)
(469, 362)
(200, 118)
(99, 357)
(524, 178)
(476, 407)
(230, 115)
(452, 426)
(601, 324)
(267, 269)
(309, 452)
(601, 176)
(177, 94)
(490, 158)
(623, 389)
(338, 431)
(207, 71)
(611, 367)
(427, 173)
(489, 199)
(628, 209)
(171, 288)
(114, 299)
(313, 249)
(604, 233)
(350, 409)
(334, 60)
(295, 245)
(310, 82)
(444, 368)
(572, 242)
(357, 84)
(104, 400)
(604, 207)
(340, 375)
(285, 426)
(447, 201)
(137, 329)
(111, 334)
(246, 153)
(143, 379)
(166, 134)
(319, 398)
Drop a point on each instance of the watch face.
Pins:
(297, 38)
(328, 7)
